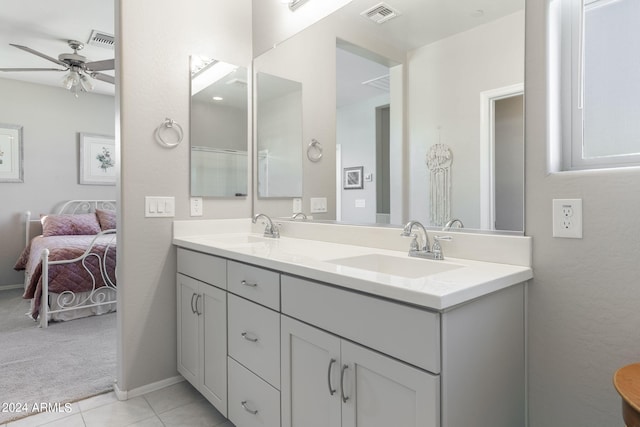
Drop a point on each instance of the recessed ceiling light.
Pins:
(218, 98)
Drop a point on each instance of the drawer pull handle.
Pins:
(331, 389)
(251, 411)
(344, 398)
(246, 336)
(245, 283)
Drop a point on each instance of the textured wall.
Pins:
(584, 298)
(156, 39)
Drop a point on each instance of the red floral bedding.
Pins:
(73, 277)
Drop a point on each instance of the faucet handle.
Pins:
(436, 248)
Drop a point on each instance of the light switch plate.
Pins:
(159, 207)
(318, 204)
(567, 218)
(361, 203)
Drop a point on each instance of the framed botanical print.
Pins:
(11, 153)
(97, 159)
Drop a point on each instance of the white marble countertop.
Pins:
(315, 260)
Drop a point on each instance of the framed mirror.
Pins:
(450, 74)
(219, 119)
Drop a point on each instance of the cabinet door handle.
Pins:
(246, 336)
(198, 312)
(193, 310)
(245, 283)
(344, 398)
(251, 411)
(331, 389)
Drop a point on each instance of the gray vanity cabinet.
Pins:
(202, 325)
(330, 382)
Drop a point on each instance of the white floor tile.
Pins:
(149, 422)
(172, 397)
(46, 417)
(72, 421)
(197, 414)
(118, 414)
(98, 400)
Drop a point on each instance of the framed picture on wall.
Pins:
(352, 178)
(97, 159)
(11, 153)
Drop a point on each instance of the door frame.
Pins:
(487, 150)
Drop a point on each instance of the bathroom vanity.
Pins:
(311, 330)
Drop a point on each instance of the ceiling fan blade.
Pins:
(103, 77)
(41, 55)
(107, 64)
(31, 69)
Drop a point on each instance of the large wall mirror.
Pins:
(219, 128)
(279, 136)
(422, 105)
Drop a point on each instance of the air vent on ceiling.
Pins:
(101, 39)
(382, 83)
(380, 13)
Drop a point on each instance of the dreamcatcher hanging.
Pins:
(438, 161)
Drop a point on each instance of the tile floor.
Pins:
(179, 405)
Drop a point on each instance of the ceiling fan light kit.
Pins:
(80, 72)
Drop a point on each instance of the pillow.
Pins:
(68, 224)
(107, 219)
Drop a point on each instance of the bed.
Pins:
(69, 261)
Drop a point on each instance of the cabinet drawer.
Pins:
(254, 283)
(254, 338)
(206, 268)
(252, 401)
(407, 333)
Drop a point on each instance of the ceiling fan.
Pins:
(79, 70)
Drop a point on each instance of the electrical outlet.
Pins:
(196, 206)
(567, 218)
(297, 205)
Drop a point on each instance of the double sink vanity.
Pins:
(335, 325)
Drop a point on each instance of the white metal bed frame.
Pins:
(69, 300)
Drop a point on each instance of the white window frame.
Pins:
(567, 79)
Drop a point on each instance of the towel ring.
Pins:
(314, 150)
(169, 124)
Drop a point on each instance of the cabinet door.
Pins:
(212, 308)
(188, 338)
(381, 392)
(310, 387)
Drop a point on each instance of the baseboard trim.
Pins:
(7, 287)
(129, 394)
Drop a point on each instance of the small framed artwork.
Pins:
(11, 153)
(352, 178)
(97, 159)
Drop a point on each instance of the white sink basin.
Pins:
(396, 266)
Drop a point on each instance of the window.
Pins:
(596, 53)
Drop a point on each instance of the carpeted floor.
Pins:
(63, 363)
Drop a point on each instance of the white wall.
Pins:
(51, 118)
(445, 80)
(584, 298)
(218, 126)
(155, 40)
(356, 134)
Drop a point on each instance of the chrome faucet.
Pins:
(299, 214)
(426, 250)
(270, 230)
(451, 223)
